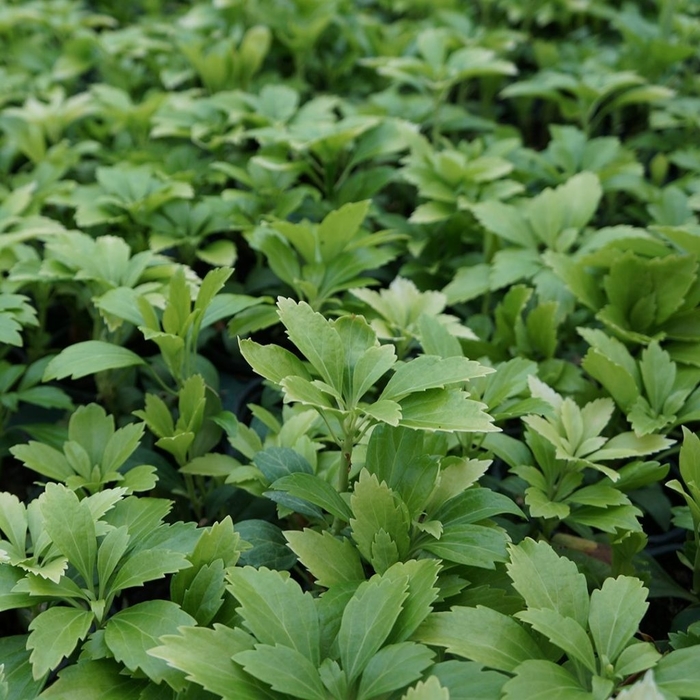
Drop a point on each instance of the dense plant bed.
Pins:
(350, 349)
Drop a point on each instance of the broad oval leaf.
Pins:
(91, 356)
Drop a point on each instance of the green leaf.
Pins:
(480, 634)
(637, 657)
(13, 521)
(367, 621)
(562, 631)
(279, 462)
(54, 635)
(110, 552)
(467, 680)
(44, 460)
(70, 526)
(471, 545)
(468, 283)
(130, 634)
(205, 655)
(377, 508)
(630, 445)
(315, 490)
(276, 611)
(385, 411)
(431, 372)
(444, 409)
(547, 581)
(338, 228)
(422, 593)
(396, 456)
(147, 565)
(679, 673)
(271, 361)
(285, 669)
(616, 610)
(94, 680)
(316, 338)
(90, 356)
(268, 546)
(475, 504)
(689, 459)
(393, 667)
(17, 671)
(539, 679)
(329, 559)
(370, 367)
(427, 690)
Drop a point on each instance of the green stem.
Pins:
(345, 461)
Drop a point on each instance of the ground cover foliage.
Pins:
(350, 349)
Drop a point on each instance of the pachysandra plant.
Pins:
(93, 455)
(654, 392)
(469, 470)
(558, 618)
(346, 362)
(71, 558)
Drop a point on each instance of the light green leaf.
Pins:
(616, 610)
(70, 526)
(386, 411)
(90, 356)
(679, 672)
(54, 635)
(422, 593)
(13, 520)
(637, 657)
(276, 611)
(329, 559)
(44, 460)
(445, 409)
(547, 581)
(120, 446)
(132, 632)
(316, 338)
(539, 679)
(340, 227)
(393, 667)
(471, 545)
(427, 690)
(94, 680)
(505, 221)
(367, 621)
(205, 656)
(468, 283)
(690, 458)
(562, 631)
(285, 669)
(630, 445)
(376, 507)
(271, 361)
(147, 565)
(370, 366)
(431, 372)
(211, 464)
(480, 634)
(111, 550)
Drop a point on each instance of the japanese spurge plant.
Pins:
(346, 362)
